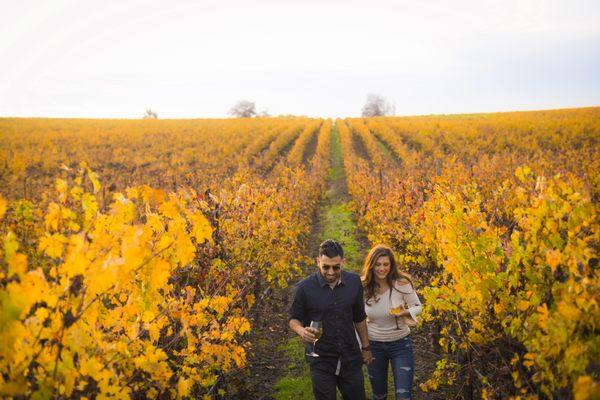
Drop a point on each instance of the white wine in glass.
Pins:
(318, 333)
(318, 326)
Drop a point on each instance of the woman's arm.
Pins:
(414, 304)
(409, 296)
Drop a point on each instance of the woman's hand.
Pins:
(367, 356)
(308, 334)
(402, 313)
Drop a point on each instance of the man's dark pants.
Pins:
(350, 381)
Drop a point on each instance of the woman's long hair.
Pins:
(368, 273)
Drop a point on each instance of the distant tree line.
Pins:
(375, 106)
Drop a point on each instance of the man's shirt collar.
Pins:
(322, 282)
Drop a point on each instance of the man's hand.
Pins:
(308, 334)
(367, 356)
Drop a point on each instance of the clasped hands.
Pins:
(367, 356)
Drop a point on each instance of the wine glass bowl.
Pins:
(396, 311)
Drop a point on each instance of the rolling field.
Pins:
(149, 258)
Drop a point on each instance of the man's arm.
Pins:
(359, 318)
(298, 313)
(361, 329)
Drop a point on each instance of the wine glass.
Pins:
(396, 311)
(318, 326)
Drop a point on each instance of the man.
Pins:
(334, 297)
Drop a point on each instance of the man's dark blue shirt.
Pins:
(338, 308)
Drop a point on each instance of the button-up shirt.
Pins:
(338, 308)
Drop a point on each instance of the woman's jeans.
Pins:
(400, 354)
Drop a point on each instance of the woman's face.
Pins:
(382, 267)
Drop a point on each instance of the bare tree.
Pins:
(150, 114)
(243, 109)
(377, 105)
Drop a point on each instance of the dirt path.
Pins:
(332, 220)
(290, 380)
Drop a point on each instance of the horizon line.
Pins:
(313, 117)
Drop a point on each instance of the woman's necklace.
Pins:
(382, 288)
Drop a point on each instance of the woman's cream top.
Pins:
(381, 325)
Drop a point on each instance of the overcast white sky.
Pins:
(185, 59)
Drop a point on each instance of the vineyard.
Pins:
(137, 257)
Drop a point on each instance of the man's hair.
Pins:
(331, 249)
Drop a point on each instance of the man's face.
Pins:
(331, 268)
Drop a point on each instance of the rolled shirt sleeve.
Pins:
(298, 307)
(358, 309)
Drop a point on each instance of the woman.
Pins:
(391, 304)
